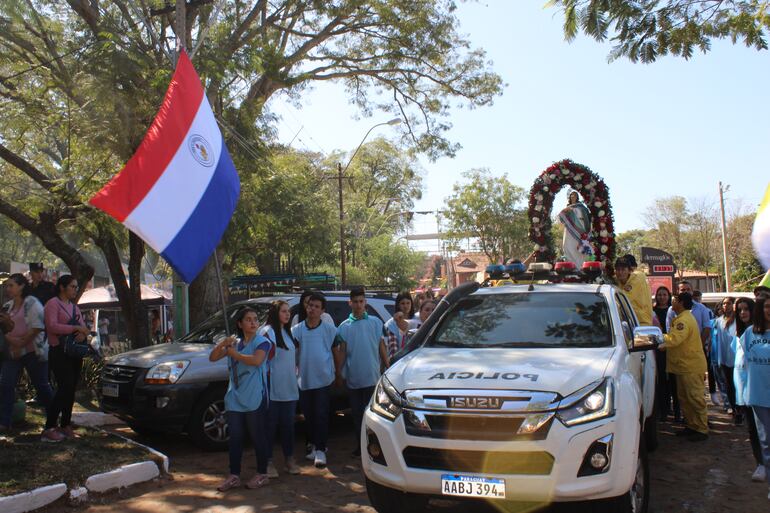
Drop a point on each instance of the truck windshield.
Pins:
(213, 327)
(573, 319)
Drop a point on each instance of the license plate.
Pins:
(472, 486)
(110, 390)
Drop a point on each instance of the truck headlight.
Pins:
(590, 403)
(166, 373)
(386, 401)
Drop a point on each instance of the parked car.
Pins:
(174, 388)
(536, 393)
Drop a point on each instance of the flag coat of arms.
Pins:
(179, 190)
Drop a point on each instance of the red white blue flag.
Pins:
(179, 190)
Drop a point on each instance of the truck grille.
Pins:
(479, 462)
(474, 427)
(118, 373)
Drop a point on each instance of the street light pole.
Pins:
(340, 175)
(724, 235)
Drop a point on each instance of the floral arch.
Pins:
(596, 197)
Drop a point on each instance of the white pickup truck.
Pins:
(535, 393)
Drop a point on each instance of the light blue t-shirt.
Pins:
(723, 337)
(701, 313)
(756, 355)
(252, 380)
(316, 365)
(739, 371)
(362, 339)
(282, 366)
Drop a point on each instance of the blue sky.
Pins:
(651, 131)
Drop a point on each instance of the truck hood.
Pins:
(560, 370)
(147, 357)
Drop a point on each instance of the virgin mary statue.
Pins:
(576, 219)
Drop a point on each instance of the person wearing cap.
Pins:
(637, 290)
(685, 358)
(41, 289)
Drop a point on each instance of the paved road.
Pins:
(712, 476)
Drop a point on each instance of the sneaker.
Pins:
(685, 432)
(272, 472)
(697, 436)
(310, 452)
(715, 399)
(759, 474)
(52, 435)
(69, 432)
(320, 459)
(232, 481)
(258, 481)
(292, 467)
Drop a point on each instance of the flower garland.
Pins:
(596, 196)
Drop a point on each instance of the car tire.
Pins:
(208, 426)
(637, 499)
(388, 500)
(651, 432)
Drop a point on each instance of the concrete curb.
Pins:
(122, 477)
(94, 419)
(155, 452)
(33, 499)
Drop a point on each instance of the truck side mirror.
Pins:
(646, 338)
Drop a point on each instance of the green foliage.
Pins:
(489, 209)
(391, 263)
(631, 242)
(645, 30)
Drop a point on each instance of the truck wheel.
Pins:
(651, 432)
(387, 500)
(208, 425)
(637, 499)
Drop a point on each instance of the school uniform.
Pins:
(316, 375)
(246, 404)
(756, 389)
(739, 379)
(362, 337)
(284, 391)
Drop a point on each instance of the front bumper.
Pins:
(137, 403)
(534, 470)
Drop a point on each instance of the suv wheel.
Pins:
(388, 500)
(208, 425)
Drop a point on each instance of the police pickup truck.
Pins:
(539, 393)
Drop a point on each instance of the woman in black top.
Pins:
(666, 383)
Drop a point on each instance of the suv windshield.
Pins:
(571, 319)
(213, 327)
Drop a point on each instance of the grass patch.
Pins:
(27, 463)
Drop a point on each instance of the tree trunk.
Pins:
(129, 297)
(204, 293)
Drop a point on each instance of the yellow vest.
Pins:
(684, 349)
(638, 292)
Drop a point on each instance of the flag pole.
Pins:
(221, 291)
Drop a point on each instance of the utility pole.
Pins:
(724, 235)
(343, 276)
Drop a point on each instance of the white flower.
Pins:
(598, 204)
(578, 186)
(538, 207)
(539, 197)
(537, 247)
(546, 180)
(578, 177)
(535, 220)
(564, 171)
(551, 176)
(603, 233)
(604, 248)
(601, 213)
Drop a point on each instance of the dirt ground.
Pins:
(712, 476)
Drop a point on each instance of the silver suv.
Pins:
(174, 388)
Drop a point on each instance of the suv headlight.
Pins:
(386, 401)
(590, 403)
(166, 373)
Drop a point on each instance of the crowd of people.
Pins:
(298, 360)
(730, 345)
(36, 323)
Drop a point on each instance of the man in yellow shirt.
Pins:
(635, 287)
(686, 360)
